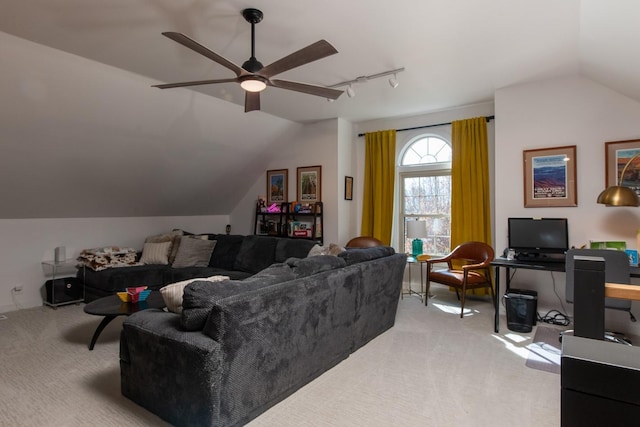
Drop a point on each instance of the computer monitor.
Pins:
(538, 236)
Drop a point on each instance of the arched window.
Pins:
(426, 150)
(425, 175)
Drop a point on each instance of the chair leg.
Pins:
(457, 294)
(426, 292)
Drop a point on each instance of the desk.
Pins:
(543, 266)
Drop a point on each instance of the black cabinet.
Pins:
(295, 221)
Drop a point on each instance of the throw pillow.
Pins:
(156, 253)
(332, 249)
(172, 294)
(194, 253)
(335, 250)
(173, 237)
(318, 250)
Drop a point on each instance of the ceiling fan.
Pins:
(253, 76)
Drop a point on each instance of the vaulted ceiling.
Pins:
(455, 52)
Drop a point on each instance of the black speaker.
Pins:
(63, 290)
(588, 297)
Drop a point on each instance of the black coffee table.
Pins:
(111, 307)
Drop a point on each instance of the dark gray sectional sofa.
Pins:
(241, 346)
(235, 256)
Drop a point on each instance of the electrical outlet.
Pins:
(17, 289)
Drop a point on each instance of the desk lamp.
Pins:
(620, 195)
(416, 230)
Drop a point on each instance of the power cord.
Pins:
(554, 317)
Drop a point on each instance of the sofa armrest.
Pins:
(170, 372)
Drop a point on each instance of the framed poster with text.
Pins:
(550, 177)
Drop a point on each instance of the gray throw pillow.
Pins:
(194, 253)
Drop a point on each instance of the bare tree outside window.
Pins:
(426, 192)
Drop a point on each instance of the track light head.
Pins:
(350, 92)
(393, 81)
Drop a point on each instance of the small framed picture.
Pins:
(309, 184)
(618, 155)
(277, 182)
(550, 177)
(348, 188)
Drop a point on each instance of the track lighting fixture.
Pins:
(393, 80)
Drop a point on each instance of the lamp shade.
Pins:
(617, 195)
(417, 229)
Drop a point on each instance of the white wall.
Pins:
(568, 111)
(28, 242)
(346, 160)
(314, 144)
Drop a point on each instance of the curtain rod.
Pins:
(488, 118)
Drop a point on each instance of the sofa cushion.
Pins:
(194, 252)
(200, 297)
(256, 253)
(172, 275)
(156, 253)
(226, 251)
(312, 265)
(172, 294)
(356, 255)
(114, 280)
(173, 237)
(292, 248)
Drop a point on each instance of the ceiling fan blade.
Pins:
(194, 83)
(251, 101)
(325, 92)
(313, 52)
(197, 47)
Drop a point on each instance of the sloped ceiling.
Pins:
(83, 134)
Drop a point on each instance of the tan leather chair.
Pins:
(468, 267)
(363, 242)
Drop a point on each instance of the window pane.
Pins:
(428, 198)
(427, 150)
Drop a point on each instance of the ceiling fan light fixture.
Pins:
(350, 92)
(253, 84)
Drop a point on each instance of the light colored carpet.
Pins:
(431, 369)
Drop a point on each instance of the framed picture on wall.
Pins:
(550, 177)
(348, 188)
(309, 184)
(277, 182)
(617, 155)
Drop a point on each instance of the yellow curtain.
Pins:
(470, 202)
(379, 179)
